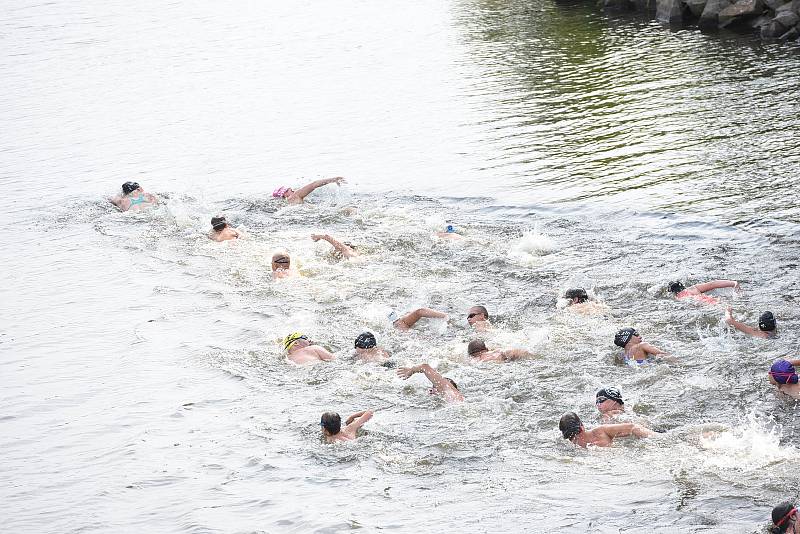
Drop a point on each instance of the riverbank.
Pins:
(772, 20)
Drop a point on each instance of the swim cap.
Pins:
(450, 229)
(783, 372)
(392, 316)
(129, 187)
(570, 425)
(218, 223)
(781, 514)
(609, 394)
(366, 340)
(291, 339)
(577, 293)
(676, 287)
(623, 336)
(279, 192)
(766, 322)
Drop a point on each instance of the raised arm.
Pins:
(346, 251)
(430, 373)
(357, 420)
(738, 325)
(716, 284)
(410, 319)
(306, 190)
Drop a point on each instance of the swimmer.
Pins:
(407, 321)
(578, 302)
(449, 233)
(300, 350)
(133, 198)
(346, 250)
(478, 318)
(332, 430)
(441, 385)
(767, 328)
(221, 230)
(609, 403)
(636, 351)
(477, 350)
(297, 197)
(602, 436)
(784, 517)
(783, 375)
(697, 291)
(282, 265)
(367, 349)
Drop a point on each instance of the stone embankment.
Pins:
(773, 20)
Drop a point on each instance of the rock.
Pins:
(741, 9)
(710, 16)
(669, 11)
(791, 34)
(775, 4)
(696, 6)
(794, 5)
(787, 18)
(644, 5)
(759, 21)
(617, 5)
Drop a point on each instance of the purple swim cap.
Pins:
(278, 193)
(783, 372)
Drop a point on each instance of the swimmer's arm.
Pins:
(626, 429)
(365, 416)
(430, 373)
(515, 354)
(793, 362)
(306, 190)
(738, 325)
(117, 201)
(323, 354)
(346, 251)
(650, 349)
(716, 284)
(410, 319)
(152, 198)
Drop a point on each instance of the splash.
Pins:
(530, 246)
(748, 446)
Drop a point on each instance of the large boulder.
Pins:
(669, 11)
(710, 16)
(775, 4)
(778, 27)
(794, 33)
(757, 22)
(740, 10)
(696, 6)
(794, 5)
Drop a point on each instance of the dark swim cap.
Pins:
(781, 514)
(218, 223)
(570, 425)
(766, 322)
(783, 372)
(476, 346)
(366, 340)
(676, 287)
(609, 394)
(129, 187)
(623, 336)
(577, 293)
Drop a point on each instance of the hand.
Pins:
(338, 180)
(405, 372)
(736, 286)
(317, 237)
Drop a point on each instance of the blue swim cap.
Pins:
(450, 229)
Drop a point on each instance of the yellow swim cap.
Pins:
(291, 339)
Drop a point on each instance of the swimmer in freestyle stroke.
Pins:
(282, 265)
(478, 318)
(784, 518)
(578, 302)
(407, 321)
(449, 233)
(609, 403)
(300, 350)
(367, 349)
(298, 197)
(478, 351)
(698, 291)
(783, 375)
(572, 429)
(443, 386)
(332, 430)
(133, 198)
(767, 327)
(345, 250)
(221, 230)
(636, 351)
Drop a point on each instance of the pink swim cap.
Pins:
(278, 193)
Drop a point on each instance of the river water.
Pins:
(143, 385)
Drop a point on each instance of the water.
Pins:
(143, 384)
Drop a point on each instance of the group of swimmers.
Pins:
(608, 400)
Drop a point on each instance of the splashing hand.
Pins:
(405, 372)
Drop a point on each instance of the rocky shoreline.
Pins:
(773, 20)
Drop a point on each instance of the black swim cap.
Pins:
(623, 336)
(609, 394)
(570, 425)
(577, 293)
(766, 322)
(218, 223)
(366, 340)
(781, 515)
(676, 287)
(129, 187)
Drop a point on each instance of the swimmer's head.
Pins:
(606, 398)
(281, 260)
(281, 192)
(676, 287)
(129, 187)
(331, 423)
(433, 391)
(366, 340)
(477, 314)
(570, 425)
(475, 347)
(624, 336)
(293, 338)
(449, 229)
(219, 223)
(577, 295)
(766, 322)
(783, 372)
(783, 515)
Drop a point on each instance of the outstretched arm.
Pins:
(716, 284)
(323, 354)
(516, 354)
(306, 190)
(430, 373)
(357, 420)
(627, 429)
(346, 251)
(650, 349)
(410, 319)
(738, 325)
